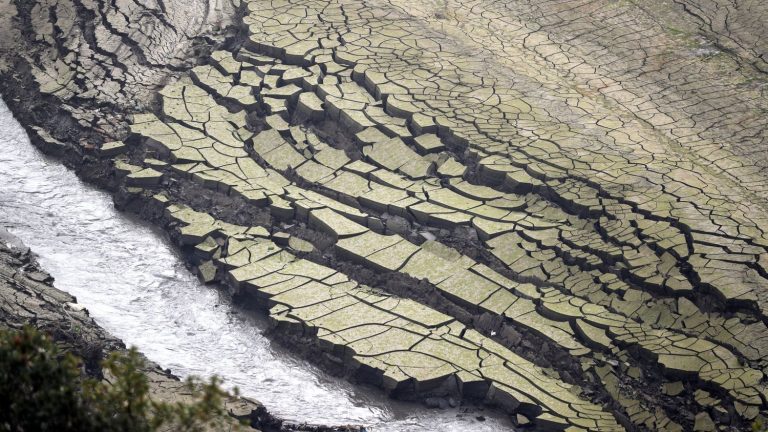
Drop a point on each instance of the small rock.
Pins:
(145, 177)
(113, 148)
(300, 245)
(703, 423)
(281, 238)
(206, 272)
(152, 162)
(39, 276)
(673, 388)
(397, 224)
(76, 307)
(704, 398)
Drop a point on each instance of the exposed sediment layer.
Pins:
(555, 207)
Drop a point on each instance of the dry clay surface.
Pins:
(555, 207)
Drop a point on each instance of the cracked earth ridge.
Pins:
(122, 51)
(584, 175)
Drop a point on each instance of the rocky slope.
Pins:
(555, 207)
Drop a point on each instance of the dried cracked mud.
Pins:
(557, 208)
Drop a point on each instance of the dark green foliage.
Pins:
(38, 386)
(42, 389)
(758, 425)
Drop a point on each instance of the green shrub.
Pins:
(758, 425)
(43, 389)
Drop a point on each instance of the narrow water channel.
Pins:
(135, 286)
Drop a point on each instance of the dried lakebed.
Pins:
(135, 286)
(556, 207)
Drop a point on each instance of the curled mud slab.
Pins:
(555, 208)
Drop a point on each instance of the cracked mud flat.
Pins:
(135, 286)
(556, 208)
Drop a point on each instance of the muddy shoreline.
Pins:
(31, 298)
(57, 132)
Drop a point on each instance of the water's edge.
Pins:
(137, 287)
(30, 298)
